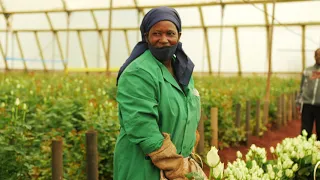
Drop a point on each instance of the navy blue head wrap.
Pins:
(183, 65)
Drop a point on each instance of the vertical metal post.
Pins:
(237, 50)
(5, 52)
(303, 47)
(205, 31)
(221, 38)
(109, 37)
(127, 41)
(4, 57)
(21, 51)
(56, 35)
(270, 34)
(82, 50)
(40, 50)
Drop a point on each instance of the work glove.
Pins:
(166, 158)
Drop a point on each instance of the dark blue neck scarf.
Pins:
(183, 65)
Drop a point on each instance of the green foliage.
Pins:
(54, 105)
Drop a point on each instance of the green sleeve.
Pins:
(138, 109)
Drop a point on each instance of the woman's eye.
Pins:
(171, 33)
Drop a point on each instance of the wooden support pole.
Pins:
(206, 38)
(294, 111)
(237, 50)
(279, 112)
(265, 112)
(248, 116)
(284, 110)
(257, 127)
(57, 160)
(238, 115)
(92, 155)
(290, 107)
(214, 127)
(200, 147)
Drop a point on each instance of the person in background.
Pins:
(159, 107)
(309, 97)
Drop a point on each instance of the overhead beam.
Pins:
(184, 27)
(214, 3)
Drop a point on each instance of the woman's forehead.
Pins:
(164, 25)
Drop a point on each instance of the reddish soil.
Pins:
(270, 138)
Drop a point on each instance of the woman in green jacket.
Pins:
(159, 108)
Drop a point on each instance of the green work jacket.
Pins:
(151, 102)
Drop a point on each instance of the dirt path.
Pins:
(270, 138)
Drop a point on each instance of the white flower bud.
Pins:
(272, 149)
(304, 133)
(17, 102)
(295, 167)
(239, 155)
(24, 107)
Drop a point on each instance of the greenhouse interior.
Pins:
(238, 96)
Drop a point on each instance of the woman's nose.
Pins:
(163, 39)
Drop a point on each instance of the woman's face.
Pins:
(163, 33)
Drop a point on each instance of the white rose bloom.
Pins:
(295, 167)
(218, 171)
(279, 174)
(213, 158)
(289, 173)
